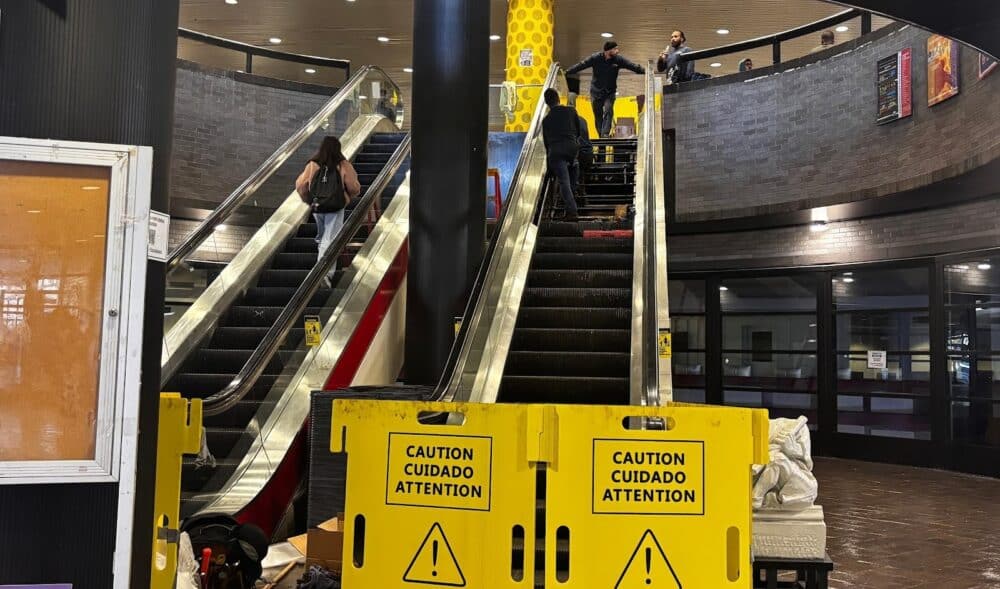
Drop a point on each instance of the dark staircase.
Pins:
(571, 343)
(212, 366)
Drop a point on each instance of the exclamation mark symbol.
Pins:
(649, 556)
(434, 556)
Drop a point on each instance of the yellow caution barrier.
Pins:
(454, 503)
(179, 434)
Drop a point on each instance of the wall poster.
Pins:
(986, 65)
(895, 96)
(942, 69)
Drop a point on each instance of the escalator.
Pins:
(215, 363)
(571, 343)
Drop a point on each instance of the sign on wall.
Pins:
(895, 96)
(942, 69)
(876, 359)
(986, 65)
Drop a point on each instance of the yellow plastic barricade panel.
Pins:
(179, 433)
(651, 509)
(438, 505)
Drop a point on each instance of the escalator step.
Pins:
(239, 415)
(368, 168)
(582, 245)
(587, 390)
(284, 277)
(575, 317)
(571, 340)
(195, 479)
(387, 147)
(214, 361)
(306, 229)
(247, 338)
(301, 261)
(395, 138)
(550, 228)
(200, 386)
(260, 316)
(599, 364)
(562, 261)
(280, 295)
(366, 157)
(297, 245)
(577, 297)
(221, 440)
(580, 279)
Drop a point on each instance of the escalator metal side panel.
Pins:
(277, 433)
(665, 382)
(637, 393)
(200, 319)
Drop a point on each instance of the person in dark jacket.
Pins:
(561, 135)
(604, 83)
(669, 60)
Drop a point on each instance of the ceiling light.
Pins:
(275, 40)
(848, 273)
(494, 37)
(848, 280)
(962, 267)
(607, 35)
(812, 325)
(382, 39)
(715, 64)
(408, 70)
(722, 31)
(810, 341)
(310, 70)
(723, 288)
(983, 266)
(34, 211)
(842, 29)
(90, 188)
(232, 1)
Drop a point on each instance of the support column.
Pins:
(530, 26)
(100, 71)
(448, 181)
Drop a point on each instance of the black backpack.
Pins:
(326, 191)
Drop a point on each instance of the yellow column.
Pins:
(530, 26)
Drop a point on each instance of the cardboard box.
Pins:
(323, 545)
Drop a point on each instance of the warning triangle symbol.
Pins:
(435, 563)
(648, 567)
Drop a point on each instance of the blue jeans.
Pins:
(567, 181)
(328, 225)
(604, 113)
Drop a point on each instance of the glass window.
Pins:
(687, 296)
(897, 331)
(769, 332)
(687, 324)
(777, 294)
(903, 288)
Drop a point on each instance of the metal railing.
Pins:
(262, 174)
(243, 382)
(775, 40)
(252, 50)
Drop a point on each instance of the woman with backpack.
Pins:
(327, 184)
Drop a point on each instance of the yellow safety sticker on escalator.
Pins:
(313, 330)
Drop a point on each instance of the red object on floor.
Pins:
(608, 234)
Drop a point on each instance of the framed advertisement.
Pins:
(894, 87)
(942, 69)
(986, 65)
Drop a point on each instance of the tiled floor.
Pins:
(899, 527)
(896, 527)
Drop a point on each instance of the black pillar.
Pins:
(100, 71)
(448, 203)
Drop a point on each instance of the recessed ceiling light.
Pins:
(722, 31)
(408, 70)
(275, 40)
(607, 35)
(494, 37)
(310, 70)
(848, 273)
(848, 280)
(232, 1)
(715, 64)
(350, 0)
(983, 266)
(723, 288)
(382, 39)
(842, 29)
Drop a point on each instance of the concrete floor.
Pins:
(896, 527)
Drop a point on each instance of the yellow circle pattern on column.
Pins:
(529, 29)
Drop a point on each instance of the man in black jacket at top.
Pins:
(604, 83)
(561, 135)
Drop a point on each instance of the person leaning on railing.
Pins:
(669, 60)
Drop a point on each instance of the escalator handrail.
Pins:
(482, 277)
(241, 384)
(650, 328)
(267, 169)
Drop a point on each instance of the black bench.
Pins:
(809, 573)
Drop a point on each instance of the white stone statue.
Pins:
(787, 483)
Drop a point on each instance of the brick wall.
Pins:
(225, 125)
(806, 136)
(958, 228)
